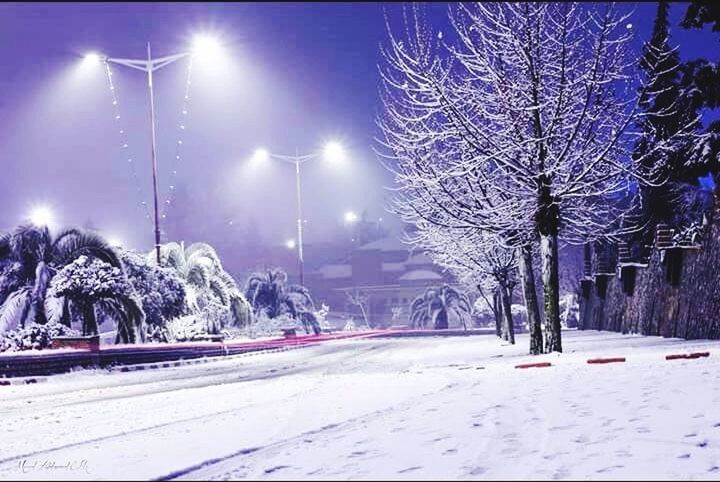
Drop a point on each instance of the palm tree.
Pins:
(29, 258)
(88, 287)
(270, 295)
(209, 287)
(433, 307)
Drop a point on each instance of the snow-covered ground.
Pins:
(413, 408)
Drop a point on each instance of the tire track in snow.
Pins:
(218, 375)
(313, 364)
(335, 427)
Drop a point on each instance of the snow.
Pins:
(420, 274)
(392, 266)
(388, 244)
(332, 271)
(420, 259)
(381, 408)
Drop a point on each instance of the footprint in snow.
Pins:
(704, 443)
(690, 435)
(684, 456)
(276, 468)
(409, 469)
(477, 471)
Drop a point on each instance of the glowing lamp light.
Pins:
(290, 244)
(260, 155)
(334, 151)
(350, 217)
(206, 47)
(41, 216)
(91, 58)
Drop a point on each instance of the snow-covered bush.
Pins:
(216, 316)
(33, 336)
(350, 325)
(160, 290)
(266, 326)
(184, 328)
(89, 279)
(321, 317)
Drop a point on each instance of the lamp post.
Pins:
(149, 66)
(332, 151)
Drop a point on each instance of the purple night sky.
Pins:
(298, 74)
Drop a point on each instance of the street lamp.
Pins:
(290, 244)
(350, 217)
(332, 151)
(202, 45)
(41, 216)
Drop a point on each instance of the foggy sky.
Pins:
(297, 75)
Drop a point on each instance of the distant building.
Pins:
(384, 274)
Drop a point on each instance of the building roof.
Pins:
(333, 271)
(393, 266)
(419, 259)
(386, 244)
(420, 274)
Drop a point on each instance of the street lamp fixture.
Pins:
(333, 151)
(260, 155)
(203, 46)
(41, 216)
(92, 58)
(290, 244)
(350, 217)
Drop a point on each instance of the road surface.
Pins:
(416, 408)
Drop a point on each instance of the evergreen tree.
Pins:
(701, 81)
(666, 114)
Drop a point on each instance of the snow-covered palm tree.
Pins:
(88, 287)
(29, 258)
(433, 307)
(209, 288)
(270, 295)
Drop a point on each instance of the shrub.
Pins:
(33, 336)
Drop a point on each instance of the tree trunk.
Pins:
(89, 320)
(66, 317)
(549, 254)
(548, 224)
(527, 279)
(507, 310)
(497, 311)
(441, 322)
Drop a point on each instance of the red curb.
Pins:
(531, 365)
(606, 360)
(688, 356)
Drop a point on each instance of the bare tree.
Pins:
(520, 126)
(357, 297)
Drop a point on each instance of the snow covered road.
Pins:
(416, 408)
